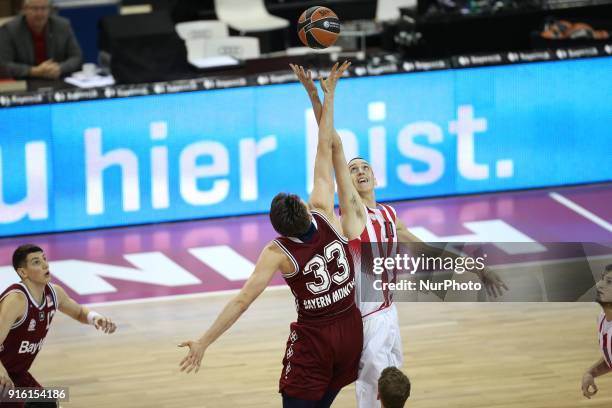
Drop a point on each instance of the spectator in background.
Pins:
(393, 388)
(37, 44)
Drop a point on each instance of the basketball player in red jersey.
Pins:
(384, 230)
(604, 326)
(26, 312)
(324, 345)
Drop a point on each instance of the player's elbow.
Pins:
(243, 301)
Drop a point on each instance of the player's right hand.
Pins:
(588, 383)
(305, 77)
(6, 383)
(329, 85)
(194, 357)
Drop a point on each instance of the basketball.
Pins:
(318, 27)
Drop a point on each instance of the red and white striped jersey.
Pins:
(381, 233)
(605, 339)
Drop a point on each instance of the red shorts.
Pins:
(22, 380)
(321, 357)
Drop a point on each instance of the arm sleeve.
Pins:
(74, 54)
(8, 66)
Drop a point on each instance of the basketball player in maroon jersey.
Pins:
(604, 326)
(324, 345)
(26, 311)
(384, 230)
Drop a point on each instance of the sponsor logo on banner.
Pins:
(480, 60)
(27, 99)
(583, 52)
(282, 78)
(389, 68)
(230, 83)
(183, 86)
(529, 56)
(429, 65)
(133, 91)
(81, 95)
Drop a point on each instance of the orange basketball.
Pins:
(318, 27)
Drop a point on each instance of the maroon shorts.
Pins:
(321, 357)
(21, 380)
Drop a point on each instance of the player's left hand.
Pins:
(105, 324)
(492, 282)
(305, 77)
(194, 357)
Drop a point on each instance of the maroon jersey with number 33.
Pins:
(27, 335)
(323, 282)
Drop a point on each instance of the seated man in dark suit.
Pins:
(38, 44)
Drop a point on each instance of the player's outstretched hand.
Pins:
(329, 84)
(305, 77)
(194, 357)
(105, 324)
(493, 283)
(6, 383)
(588, 385)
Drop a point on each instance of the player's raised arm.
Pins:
(11, 310)
(322, 196)
(268, 263)
(353, 213)
(305, 77)
(82, 314)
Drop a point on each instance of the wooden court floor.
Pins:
(456, 354)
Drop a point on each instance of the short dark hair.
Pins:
(21, 254)
(393, 388)
(288, 215)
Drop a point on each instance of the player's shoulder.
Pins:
(273, 250)
(57, 288)
(13, 300)
(389, 208)
(60, 292)
(272, 246)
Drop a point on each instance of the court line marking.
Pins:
(581, 210)
(183, 296)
